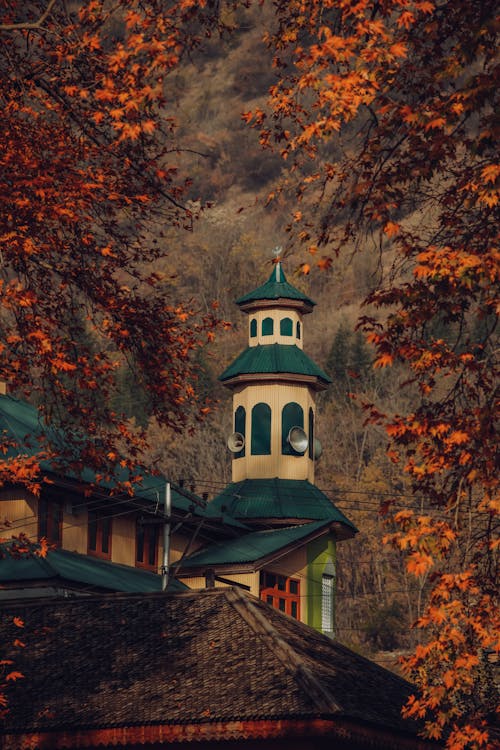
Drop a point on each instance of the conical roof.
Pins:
(277, 359)
(276, 288)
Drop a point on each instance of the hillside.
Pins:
(228, 252)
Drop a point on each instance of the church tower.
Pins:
(274, 386)
(286, 551)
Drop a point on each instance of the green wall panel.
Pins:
(321, 559)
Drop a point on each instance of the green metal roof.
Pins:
(251, 547)
(278, 498)
(274, 358)
(276, 287)
(20, 422)
(82, 569)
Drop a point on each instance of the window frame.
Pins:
(151, 538)
(240, 416)
(101, 521)
(47, 519)
(327, 604)
(280, 591)
(311, 433)
(286, 327)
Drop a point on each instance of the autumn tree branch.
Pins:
(27, 25)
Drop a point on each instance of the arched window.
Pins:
(311, 433)
(298, 330)
(253, 328)
(267, 327)
(239, 426)
(261, 430)
(286, 327)
(291, 416)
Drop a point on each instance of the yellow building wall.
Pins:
(123, 540)
(74, 530)
(247, 579)
(18, 507)
(276, 395)
(292, 565)
(179, 543)
(276, 337)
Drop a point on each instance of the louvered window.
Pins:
(327, 603)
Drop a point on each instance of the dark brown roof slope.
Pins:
(217, 655)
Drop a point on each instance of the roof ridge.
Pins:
(292, 662)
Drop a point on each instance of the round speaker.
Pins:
(318, 449)
(297, 438)
(236, 442)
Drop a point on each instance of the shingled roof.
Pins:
(131, 669)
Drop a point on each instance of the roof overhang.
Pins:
(339, 530)
(346, 731)
(312, 381)
(301, 306)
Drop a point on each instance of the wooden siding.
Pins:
(247, 579)
(19, 507)
(74, 529)
(276, 395)
(276, 338)
(123, 540)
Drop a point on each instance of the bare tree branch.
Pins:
(26, 25)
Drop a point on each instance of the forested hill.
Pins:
(228, 252)
(154, 155)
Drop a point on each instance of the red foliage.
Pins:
(88, 180)
(405, 95)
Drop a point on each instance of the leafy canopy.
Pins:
(88, 182)
(385, 113)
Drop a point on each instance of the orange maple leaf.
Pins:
(391, 228)
(13, 676)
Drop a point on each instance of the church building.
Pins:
(288, 558)
(271, 532)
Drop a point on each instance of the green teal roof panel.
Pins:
(20, 422)
(276, 287)
(278, 498)
(273, 358)
(251, 547)
(82, 569)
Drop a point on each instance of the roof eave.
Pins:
(303, 306)
(313, 381)
(280, 727)
(340, 530)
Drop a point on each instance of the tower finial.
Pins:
(276, 255)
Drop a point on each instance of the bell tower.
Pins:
(274, 385)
